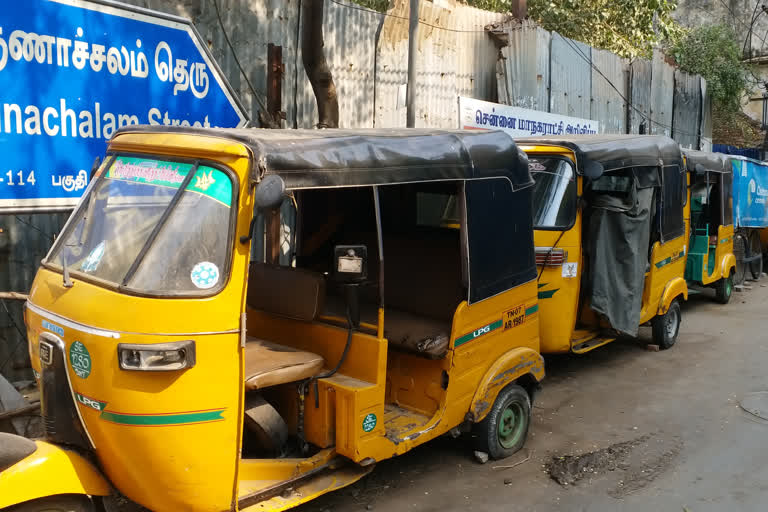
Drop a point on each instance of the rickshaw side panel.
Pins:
(490, 351)
(665, 281)
(558, 294)
(50, 470)
(481, 338)
(161, 416)
(724, 253)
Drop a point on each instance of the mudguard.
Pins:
(50, 470)
(675, 288)
(728, 265)
(508, 368)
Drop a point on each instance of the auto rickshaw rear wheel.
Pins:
(724, 289)
(504, 430)
(666, 327)
(58, 503)
(740, 252)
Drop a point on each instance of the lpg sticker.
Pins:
(205, 275)
(90, 402)
(91, 263)
(80, 360)
(369, 422)
(569, 269)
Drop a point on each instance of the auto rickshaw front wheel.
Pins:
(504, 430)
(59, 503)
(666, 327)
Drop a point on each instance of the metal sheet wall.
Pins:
(456, 56)
(608, 104)
(526, 62)
(570, 77)
(639, 95)
(686, 109)
(662, 88)
(251, 25)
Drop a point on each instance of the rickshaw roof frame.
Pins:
(615, 152)
(333, 158)
(712, 162)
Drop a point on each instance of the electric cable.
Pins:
(46, 235)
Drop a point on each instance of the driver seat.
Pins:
(269, 364)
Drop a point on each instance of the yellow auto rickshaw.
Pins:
(610, 238)
(247, 319)
(710, 261)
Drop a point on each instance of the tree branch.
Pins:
(315, 65)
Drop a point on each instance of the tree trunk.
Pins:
(315, 65)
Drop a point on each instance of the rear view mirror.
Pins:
(593, 170)
(699, 168)
(269, 192)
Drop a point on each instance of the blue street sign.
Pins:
(73, 71)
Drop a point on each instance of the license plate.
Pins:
(46, 352)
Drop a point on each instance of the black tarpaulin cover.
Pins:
(344, 158)
(618, 240)
(709, 162)
(615, 151)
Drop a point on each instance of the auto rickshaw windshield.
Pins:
(146, 225)
(554, 194)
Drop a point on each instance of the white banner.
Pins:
(519, 122)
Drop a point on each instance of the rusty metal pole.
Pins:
(275, 72)
(413, 45)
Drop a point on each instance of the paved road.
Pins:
(673, 435)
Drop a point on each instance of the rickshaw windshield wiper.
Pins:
(66, 281)
(160, 223)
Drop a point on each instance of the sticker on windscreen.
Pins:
(91, 263)
(205, 275)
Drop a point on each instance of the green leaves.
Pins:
(713, 52)
(629, 28)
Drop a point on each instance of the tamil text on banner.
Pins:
(519, 122)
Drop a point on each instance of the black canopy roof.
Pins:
(339, 158)
(707, 162)
(615, 151)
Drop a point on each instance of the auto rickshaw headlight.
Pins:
(157, 357)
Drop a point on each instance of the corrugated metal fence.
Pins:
(367, 52)
(546, 71)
